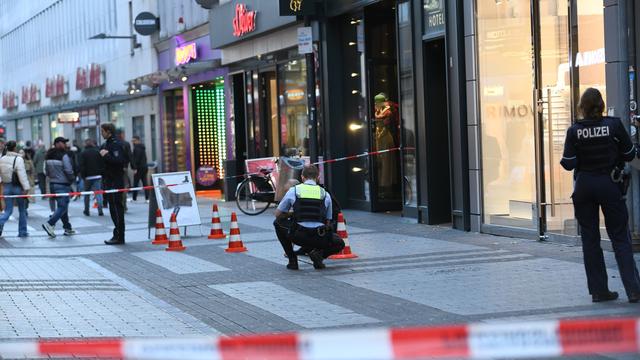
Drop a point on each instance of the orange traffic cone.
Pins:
(342, 232)
(175, 244)
(235, 243)
(161, 233)
(216, 228)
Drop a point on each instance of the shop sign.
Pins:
(297, 7)
(146, 23)
(244, 21)
(206, 175)
(9, 100)
(434, 17)
(56, 86)
(30, 94)
(588, 58)
(186, 53)
(89, 77)
(295, 95)
(68, 117)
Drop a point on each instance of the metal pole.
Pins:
(311, 102)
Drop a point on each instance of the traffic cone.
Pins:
(161, 233)
(175, 244)
(235, 243)
(216, 228)
(342, 232)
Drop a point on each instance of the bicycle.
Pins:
(256, 192)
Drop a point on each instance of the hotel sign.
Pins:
(434, 18)
(297, 7)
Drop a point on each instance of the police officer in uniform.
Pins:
(113, 154)
(593, 147)
(308, 225)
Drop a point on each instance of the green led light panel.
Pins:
(211, 125)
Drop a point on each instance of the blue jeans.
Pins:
(10, 189)
(93, 185)
(61, 212)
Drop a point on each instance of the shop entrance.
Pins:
(269, 115)
(437, 127)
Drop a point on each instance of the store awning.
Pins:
(173, 74)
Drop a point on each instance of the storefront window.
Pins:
(138, 127)
(36, 129)
(589, 61)
(292, 78)
(505, 91)
(174, 147)
(116, 114)
(407, 103)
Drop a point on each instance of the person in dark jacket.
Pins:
(59, 170)
(594, 147)
(127, 160)
(91, 170)
(139, 166)
(113, 154)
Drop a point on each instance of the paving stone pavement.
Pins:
(406, 274)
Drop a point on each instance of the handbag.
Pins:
(15, 180)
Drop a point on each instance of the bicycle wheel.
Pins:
(250, 199)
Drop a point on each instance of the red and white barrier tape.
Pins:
(82, 193)
(538, 339)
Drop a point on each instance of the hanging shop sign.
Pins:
(30, 94)
(68, 117)
(297, 7)
(56, 86)
(146, 23)
(9, 100)
(245, 21)
(89, 77)
(186, 53)
(434, 18)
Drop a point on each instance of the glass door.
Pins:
(553, 115)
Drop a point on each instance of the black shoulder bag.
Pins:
(15, 180)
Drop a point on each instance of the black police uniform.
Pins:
(320, 242)
(113, 179)
(593, 148)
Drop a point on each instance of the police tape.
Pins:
(125, 190)
(83, 193)
(536, 339)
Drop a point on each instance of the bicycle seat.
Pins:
(265, 171)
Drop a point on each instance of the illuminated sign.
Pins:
(295, 94)
(68, 117)
(186, 53)
(56, 86)
(297, 7)
(90, 77)
(244, 21)
(30, 94)
(9, 100)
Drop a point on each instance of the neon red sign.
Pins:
(244, 22)
(186, 53)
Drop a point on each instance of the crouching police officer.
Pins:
(308, 225)
(593, 147)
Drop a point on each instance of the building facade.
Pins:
(57, 81)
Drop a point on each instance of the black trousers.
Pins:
(116, 210)
(140, 175)
(307, 238)
(593, 191)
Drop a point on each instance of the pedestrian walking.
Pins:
(28, 166)
(139, 166)
(91, 169)
(59, 170)
(14, 178)
(596, 147)
(113, 154)
(38, 164)
(309, 224)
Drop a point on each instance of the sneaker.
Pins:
(49, 230)
(69, 232)
(86, 213)
(146, 201)
(608, 296)
(100, 213)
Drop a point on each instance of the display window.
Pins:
(292, 99)
(174, 154)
